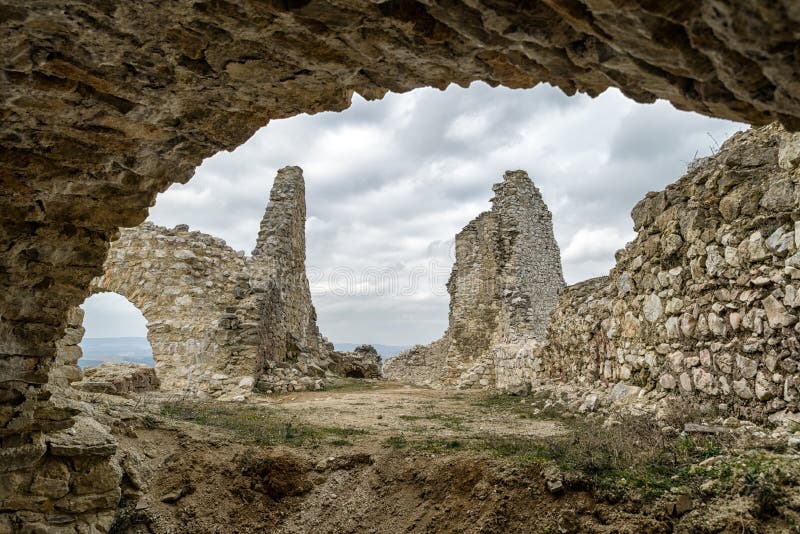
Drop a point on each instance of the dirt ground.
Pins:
(380, 457)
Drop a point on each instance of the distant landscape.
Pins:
(97, 350)
(386, 351)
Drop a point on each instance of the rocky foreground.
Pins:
(383, 457)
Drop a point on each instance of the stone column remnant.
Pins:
(504, 284)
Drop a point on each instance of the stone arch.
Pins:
(101, 113)
(181, 281)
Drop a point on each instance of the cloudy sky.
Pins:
(389, 183)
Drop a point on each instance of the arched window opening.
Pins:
(116, 331)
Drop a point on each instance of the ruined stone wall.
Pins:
(277, 271)
(183, 282)
(704, 302)
(424, 365)
(219, 322)
(504, 283)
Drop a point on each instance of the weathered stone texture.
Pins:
(65, 368)
(220, 323)
(290, 345)
(362, 362)
(505, 281)
(704, 302)
(182, 282)
(74, 488)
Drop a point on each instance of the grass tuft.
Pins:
(257, 425)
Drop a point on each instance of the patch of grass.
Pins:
(255, 424)
(440, 445)
(632, 456)
(396, 442)
(448, 421)
(344, 432)
(629, 460)
(763, 483)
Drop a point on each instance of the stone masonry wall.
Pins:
(505, 281)
(704, 303)
(291, 350)
(218, 322)
(182, 281)
(424, 365)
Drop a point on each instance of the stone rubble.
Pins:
(362, 362)
(118, 379)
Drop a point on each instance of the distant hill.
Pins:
(386, 351)
(97, 350)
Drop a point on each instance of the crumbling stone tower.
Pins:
(289, 336)
(505, 282)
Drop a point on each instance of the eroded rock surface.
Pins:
(182, 281)
(362, 362)
(424, 365)
(504, 283)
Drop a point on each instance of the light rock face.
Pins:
(182, 282)
(704, 302)
(74, 487)
(504, 284)
(290, 347)
(65, 369)
(424, 365)
(362, 362)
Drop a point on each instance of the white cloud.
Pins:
(591, 251)
(111, 315)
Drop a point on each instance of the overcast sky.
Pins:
(389, 183)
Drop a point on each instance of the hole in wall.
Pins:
(116, 331)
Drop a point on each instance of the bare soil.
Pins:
(378, 457)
